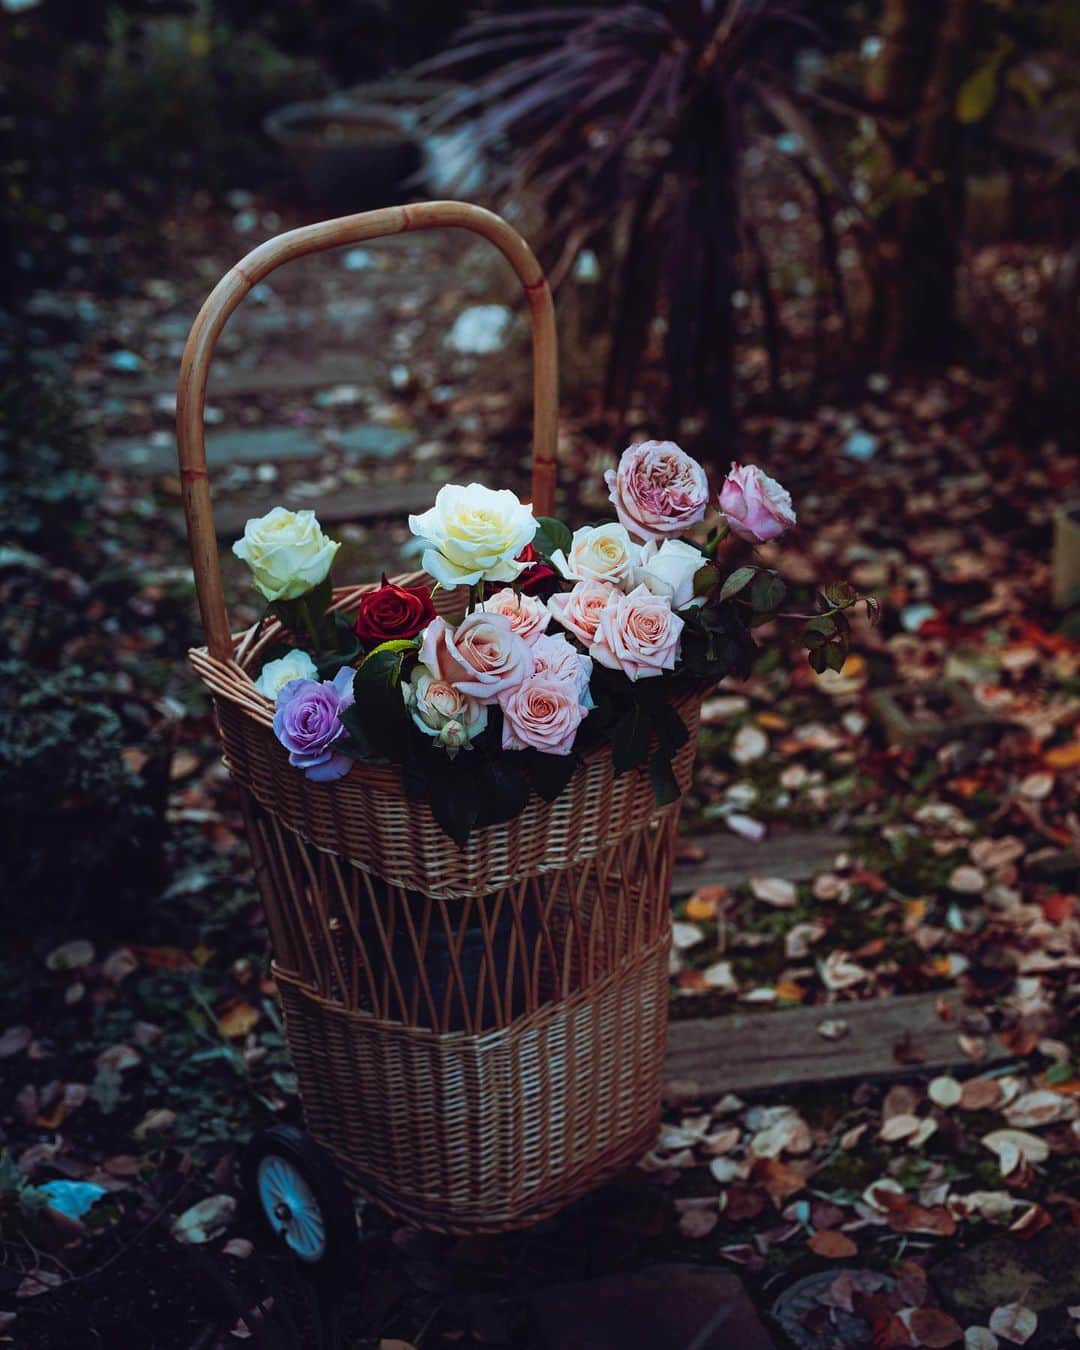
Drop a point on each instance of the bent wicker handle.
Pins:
(259, 263)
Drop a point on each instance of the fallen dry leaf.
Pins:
(945, 1092)
(774, 891)
(933, 1328)
(1014, 1323)
(238, 1019)
(832, 1245)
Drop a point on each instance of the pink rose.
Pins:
(638, 634)
(579, 610)
(528, 614)
(481, 657)
(658, 491)
(755, 506)
(542, 714)
(556, 659)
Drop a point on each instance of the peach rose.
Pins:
(579, 610)
(556, 658)
(528, 614)
(658, 491)
(541, 713)
(638, 634)
(482, 656)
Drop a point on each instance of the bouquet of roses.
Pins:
(567, 640)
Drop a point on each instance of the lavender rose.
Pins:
(307, 721)
(528, 614)
(755, 506)
(658, 491)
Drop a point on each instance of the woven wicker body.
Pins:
(478, 1033)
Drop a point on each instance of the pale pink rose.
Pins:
(658, 491)
(481, 657)
(542, 714)
(579, 610)
(638, 634)
(528, 614)
(755, 506)
(555, 657)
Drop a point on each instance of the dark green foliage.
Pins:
(625, 122)
(79, 826)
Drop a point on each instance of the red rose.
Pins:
(539, 579)
(393, 612)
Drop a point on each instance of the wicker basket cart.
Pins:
(478, 1033)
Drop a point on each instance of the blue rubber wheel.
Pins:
(298, 1196)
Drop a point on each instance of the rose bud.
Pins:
(538, 578)
(393, 612)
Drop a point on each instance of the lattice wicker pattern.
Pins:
(474, 1065)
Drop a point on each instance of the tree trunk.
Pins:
(913, 84)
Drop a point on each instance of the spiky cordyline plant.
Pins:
(623, 125)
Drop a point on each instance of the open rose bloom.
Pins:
(563, 638)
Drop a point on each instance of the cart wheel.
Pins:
(299, 1196)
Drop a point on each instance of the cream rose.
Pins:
(482, 656)
(556, 659)
(287, 552)
(638, 634)
(452, 718)
(542, 713)
(600, 553)
(669, 569)
(474, 534)
(579, 610)
(528, 614)
(276, 675)
(658, 491)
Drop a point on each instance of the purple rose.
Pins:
(307, 721)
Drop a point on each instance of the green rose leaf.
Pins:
(379, 712)
(548, 774)
(551, 536)
(630, 738)
(664, 785)
(502, 785)
(767, 592)
(453, 795)
(841, 594)
(737, 581)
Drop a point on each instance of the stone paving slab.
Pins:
(154, 457)
(664, 1307)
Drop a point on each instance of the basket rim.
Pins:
(232, 679)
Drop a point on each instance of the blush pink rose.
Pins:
(579, 610)
(481, 657)
(528, 614)
(658, 491)
(755, 506)
(638, 634)
(557, 659)
(541, 713)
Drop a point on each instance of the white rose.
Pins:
(287, 552)
(475, 534)
(443, 712)
(668, 569)
(276, 675)
(600, 553)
